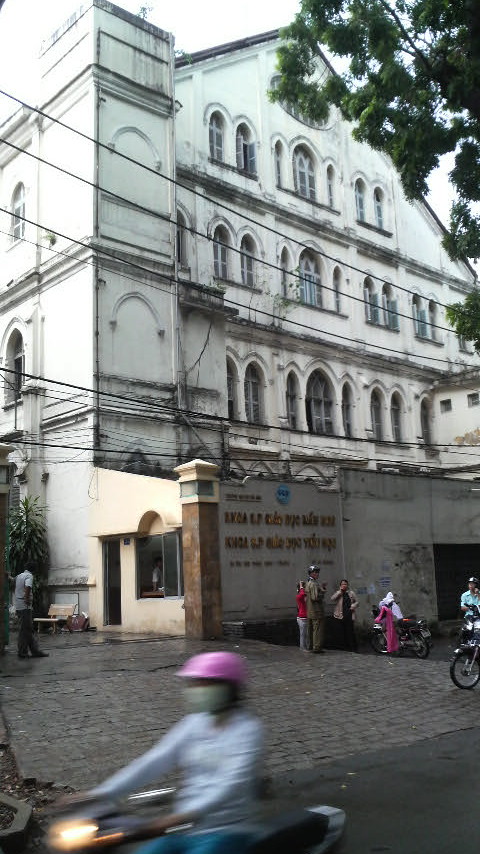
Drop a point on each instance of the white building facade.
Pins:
(189, 270)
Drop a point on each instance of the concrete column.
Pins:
(199, 496)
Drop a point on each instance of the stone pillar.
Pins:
(199, 496)
(4, 490)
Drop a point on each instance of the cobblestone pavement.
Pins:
(96, 703)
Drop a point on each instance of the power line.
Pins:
(197, 286)
(204, 197)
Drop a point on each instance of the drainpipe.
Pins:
(96, 411)
(177, 348)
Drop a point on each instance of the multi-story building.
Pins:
(190, 270)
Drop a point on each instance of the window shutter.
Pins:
(366, 297)
(394, 319)
(303, 286)
(318, 291)
(422, 323)
(374, 309)
(211, 140)
(251, 155)
(240, 162)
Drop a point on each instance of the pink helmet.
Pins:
(215, 665)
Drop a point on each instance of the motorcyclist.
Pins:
(470, 597)
(218, 747)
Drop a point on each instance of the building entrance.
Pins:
(112, 583)
(454, 565)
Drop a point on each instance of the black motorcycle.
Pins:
(465, 664)
(413, 635)
(93, 824)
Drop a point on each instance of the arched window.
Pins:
(303, 173)
(220, 253)
(337, 296)
(331, 187)
(378, 205)
(231, 391)
(181, 240)
(15, 364)
(376, 415)
(347, 411)
(247, 253)
(246, 150)
(292, 398)
(18, 213)
(425, 422)
(310, 281)
(419, 316)
(370, 297)
(252, 390)
(432, 319)
(390, 308)
(319, 405)
(215, 136)
(396, 417)
(278, 156)
(360, 199)
(286, 266)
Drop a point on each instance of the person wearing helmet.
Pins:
(218, 747)
(471, 596)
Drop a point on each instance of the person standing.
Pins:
(346, 603)
(302, 619)
(315, 610)
(23, 607)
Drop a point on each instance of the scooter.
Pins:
(92, 824)
(412, 634)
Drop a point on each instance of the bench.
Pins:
(58, 616)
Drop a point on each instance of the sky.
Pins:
(196, 24)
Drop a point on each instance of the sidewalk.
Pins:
(100, 700)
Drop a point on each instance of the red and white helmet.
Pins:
(215, 665)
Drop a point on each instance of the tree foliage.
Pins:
(27, 541)
(412, 88)
(465, 318)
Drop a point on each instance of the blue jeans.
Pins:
(199, 843)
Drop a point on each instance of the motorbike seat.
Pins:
(293, 831)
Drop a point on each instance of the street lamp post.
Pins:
(5, 450)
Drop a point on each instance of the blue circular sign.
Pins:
(283, 494)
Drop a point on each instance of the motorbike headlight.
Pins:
(71, 835)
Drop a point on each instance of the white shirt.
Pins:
(219, 764)
(25, 579)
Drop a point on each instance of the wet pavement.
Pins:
(100, 700)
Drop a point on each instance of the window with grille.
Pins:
(215, 136)
(473, 399)
(446, 405)
(303, 174)
(319, 405)
(252, 395)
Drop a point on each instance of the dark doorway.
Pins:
(454, 564)
(112, 583)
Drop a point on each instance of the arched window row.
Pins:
(323, 410)
(224, 259)
(381, 306)
(425, 318)
(369, 204)
(245, 144)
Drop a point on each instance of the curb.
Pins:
(14, 838)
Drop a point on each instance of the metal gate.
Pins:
(454, 564)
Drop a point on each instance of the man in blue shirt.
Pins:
(471, 596)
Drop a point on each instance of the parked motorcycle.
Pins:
(413, 635)
(95, 824)
(465, 664)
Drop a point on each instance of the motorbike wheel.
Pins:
(378, 642)
(420, 646)
(463, 672)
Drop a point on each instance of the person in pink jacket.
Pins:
(386, 615)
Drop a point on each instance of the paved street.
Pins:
(95, 703)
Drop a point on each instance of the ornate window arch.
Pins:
(292, 401)
(376, 413)
(216, 133)
(304, 173)
(221, 243)
(18, 213)
(360, 192)
(253, 394)
(319, 404)
(15, 364)
(246, 149)
(310, 292)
